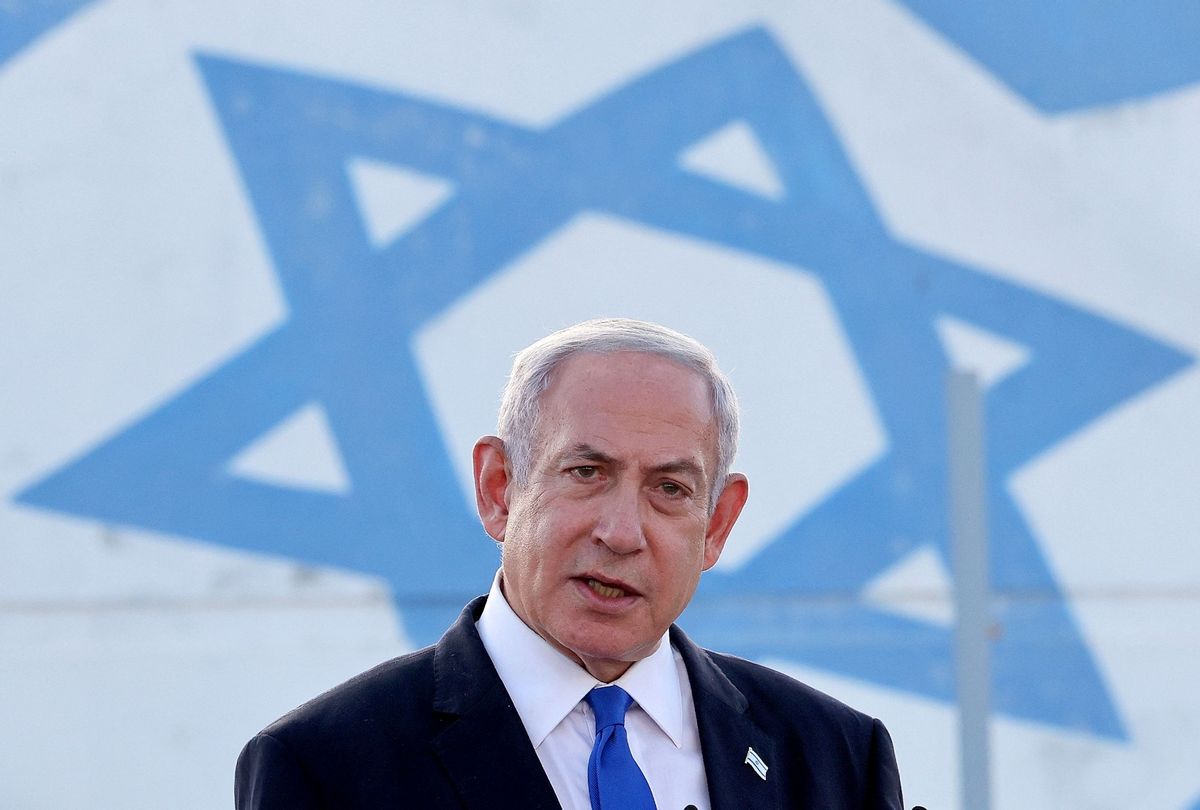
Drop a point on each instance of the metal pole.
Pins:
(969, 550)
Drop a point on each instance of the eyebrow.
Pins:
(586, 452)
(681, 466)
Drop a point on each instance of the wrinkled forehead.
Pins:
(629, 400)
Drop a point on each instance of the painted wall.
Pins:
(264, 266)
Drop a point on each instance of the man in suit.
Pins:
(609, 491)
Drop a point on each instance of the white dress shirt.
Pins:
(547, 690)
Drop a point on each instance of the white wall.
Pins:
(263, 270)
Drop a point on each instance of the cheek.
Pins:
(681, 560)
(537, 530)
(694, 532)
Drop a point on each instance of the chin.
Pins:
(610, 651)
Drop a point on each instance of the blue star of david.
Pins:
(354, 307)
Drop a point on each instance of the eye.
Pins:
(585, 472)
(672, 489)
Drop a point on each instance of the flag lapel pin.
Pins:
(756, 763)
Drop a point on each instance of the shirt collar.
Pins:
(543, 701)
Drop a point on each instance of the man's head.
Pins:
(609, 489)
(534, 366)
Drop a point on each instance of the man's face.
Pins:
(604, 545)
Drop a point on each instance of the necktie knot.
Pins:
(609, 704)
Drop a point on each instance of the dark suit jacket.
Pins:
(436, 728)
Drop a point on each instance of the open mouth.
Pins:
(605, 590)
(608, 590)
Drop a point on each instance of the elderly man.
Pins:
(608, 490)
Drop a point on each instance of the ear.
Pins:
(492, 477)
(729, 506)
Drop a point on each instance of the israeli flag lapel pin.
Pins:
(756, 763)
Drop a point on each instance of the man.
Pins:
(608, 490)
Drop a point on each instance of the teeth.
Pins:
(605, 590)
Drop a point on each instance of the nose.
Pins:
(619, 526)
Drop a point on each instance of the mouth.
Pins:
(608, 589)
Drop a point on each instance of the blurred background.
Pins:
(265, 265)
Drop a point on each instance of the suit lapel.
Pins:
(475, 707)
(727, 734)
(483, 747)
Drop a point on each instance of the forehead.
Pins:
(628, 401)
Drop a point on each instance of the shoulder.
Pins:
(371, 703)
(398, 698)
(373, 740)
(772, 699)
(765, 683)
(321, 753)
(368, 742)
(402, 682)
(850, 750)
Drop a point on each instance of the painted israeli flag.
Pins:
(264, 272)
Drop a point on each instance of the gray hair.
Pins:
(533, 366)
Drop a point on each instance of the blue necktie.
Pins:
(615, 782)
